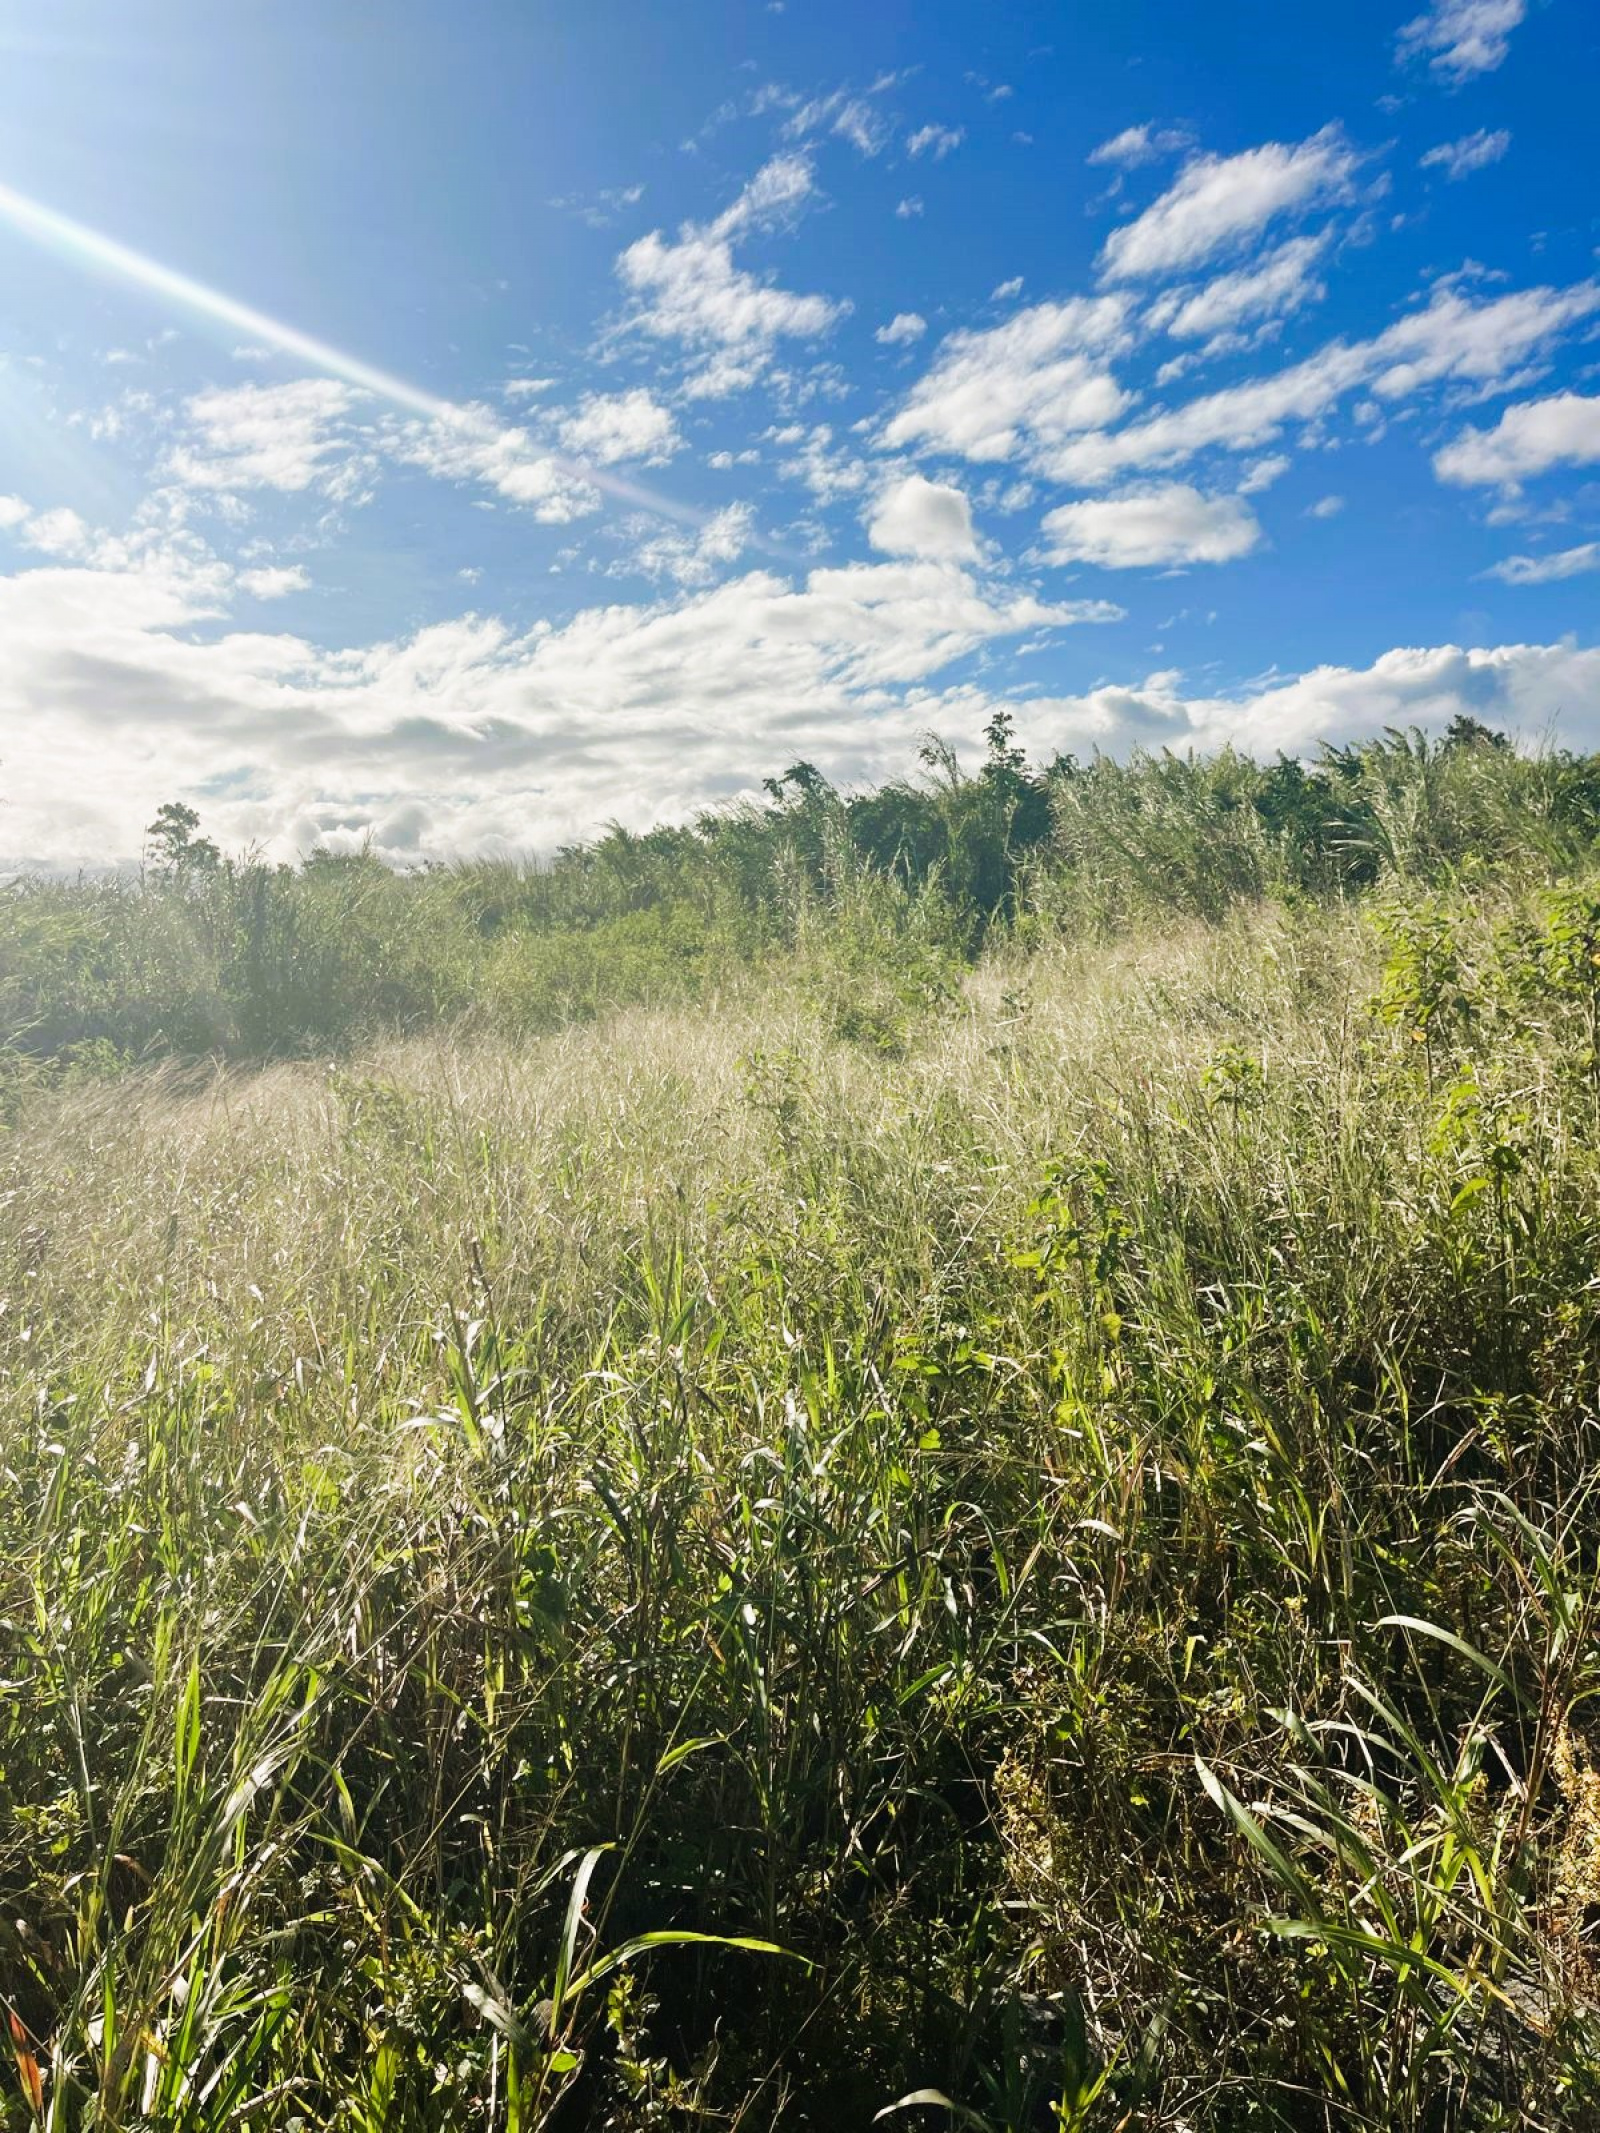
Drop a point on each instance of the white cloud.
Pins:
(526, 388)
(697, 558)
(1279, 283)
(909, 208)
(1169, 523)
(923, 518)
(273, 581)
(1218, 201)
(1263, 474)
(465, 734)
(936, 141)
(1003, 291)
(289, 437)
(58, 533)
(1325, 507)
(1041, 376)
(1474, 151)
(609, 427)
(1138, 145)
(1453, 338)
(689, 289)
(1462, 37)
(12, 512)
(853, 118)
(1531, 437)
(1547, 569)
(1525, 687)
(904, 326)
(778, 188)
(509, 461)
(827, 471)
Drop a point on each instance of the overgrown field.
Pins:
(1076, 1526)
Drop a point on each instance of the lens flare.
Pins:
(76, 240)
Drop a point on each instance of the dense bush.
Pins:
(203, 954)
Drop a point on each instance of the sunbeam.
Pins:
(60, 233)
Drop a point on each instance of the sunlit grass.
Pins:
(1076, 1529)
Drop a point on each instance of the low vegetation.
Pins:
(930, 1453)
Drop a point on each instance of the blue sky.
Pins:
(456, 428)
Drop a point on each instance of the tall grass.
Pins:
(881, 896)
(1019, 1545)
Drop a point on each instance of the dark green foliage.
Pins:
(203, 954)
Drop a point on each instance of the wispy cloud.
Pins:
(1219, 201)
(1474, 151)
(1280, 282)
(935, 141)
(1461, 38)
(600, 210)
(1547, 569)
(848, 114)
(1137, 145)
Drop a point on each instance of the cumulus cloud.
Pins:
(289, 437)
(697, 557)
(274, 581)
(1461, 38)
(1038, 378)
(1325, 507)
(690, 289)
(1547, 569)
(1219, 201)
(58, 533)
(639, 713)
(509, 461)
(466, 735)
(903, 327)
(1524, 687)
(1531, 437)
(608, 427)
(1474, 151)
(1169, 523)
(918, 517)
(827, 469)
(1451, 339)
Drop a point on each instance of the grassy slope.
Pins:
(855, 1490)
